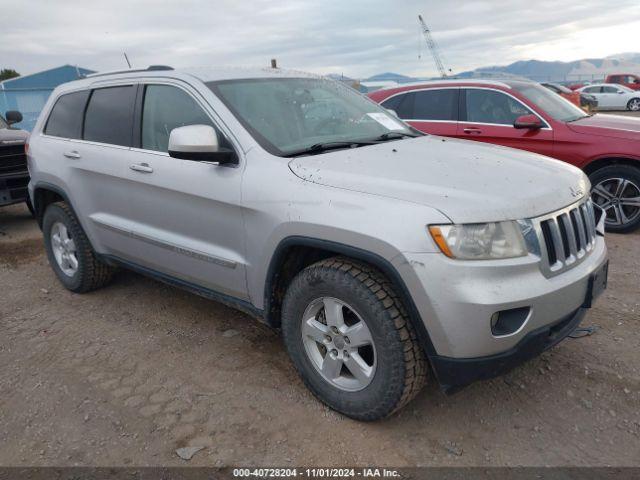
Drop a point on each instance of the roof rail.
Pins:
(150, 68)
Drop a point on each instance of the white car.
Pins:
(614, 97)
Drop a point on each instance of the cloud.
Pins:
(356, 37)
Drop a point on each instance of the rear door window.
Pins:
(493, 107)
(167, 107)
(65, 119)
(109, 116)
(436, 104)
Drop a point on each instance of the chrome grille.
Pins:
(13, 160)
(567, 236)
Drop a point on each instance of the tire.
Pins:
(616, 189)
(89, 272)
(395, 358)
(634, 105)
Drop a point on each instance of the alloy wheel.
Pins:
(619, 198)
(634, 105)
(64, 249)
(339, 344)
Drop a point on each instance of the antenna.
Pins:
(127, 59)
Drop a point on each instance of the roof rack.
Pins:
(150, 68)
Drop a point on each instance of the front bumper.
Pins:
(13, 188)
(455, 373)
(456, 300)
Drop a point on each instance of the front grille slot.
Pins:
(548, 240)
(580, 238)
(564, 235)
(568, 235)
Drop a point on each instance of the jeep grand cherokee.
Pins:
(380, 253)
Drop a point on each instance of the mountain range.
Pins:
(539, 70)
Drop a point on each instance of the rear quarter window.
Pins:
(65, 119)
(109, 116)
(402, 104)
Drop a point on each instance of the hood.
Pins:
(467, 181)
(9, 136)
(615, 126)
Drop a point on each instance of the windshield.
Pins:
(624, 88)
(289, 115)
(552, 103)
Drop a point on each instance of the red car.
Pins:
(564, 92)
(626, 79)
(530, 117)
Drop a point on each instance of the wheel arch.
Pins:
(598, 163)
(45, 194)
(295, 253)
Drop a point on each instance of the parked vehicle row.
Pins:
(527, 116)
(386, 257)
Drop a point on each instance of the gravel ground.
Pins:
(130, 373)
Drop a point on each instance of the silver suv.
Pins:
(385, 257)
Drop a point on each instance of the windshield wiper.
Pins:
(579, 118)
(323, 147)
(394, 136)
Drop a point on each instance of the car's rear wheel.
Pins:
(616, 189)
(634, 105)
(349, 337)
(69, 251)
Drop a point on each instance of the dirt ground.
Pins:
(130, 373)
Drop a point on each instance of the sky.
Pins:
(355, 37)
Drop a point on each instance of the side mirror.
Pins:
(531, 122)
(13, 116)
(199, 143)
(392, 112)
(620, 92)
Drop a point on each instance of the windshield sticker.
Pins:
(386, 121)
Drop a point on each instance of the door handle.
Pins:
(141, 167)
(72, 154)
(472, 131)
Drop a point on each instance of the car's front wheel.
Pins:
(349, 337)
(634, 105)
(616, 189)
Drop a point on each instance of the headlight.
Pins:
(480, 241)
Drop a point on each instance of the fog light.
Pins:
(506, 322)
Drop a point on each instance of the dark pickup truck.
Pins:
(14, 175)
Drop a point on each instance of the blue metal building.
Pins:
(29, 93)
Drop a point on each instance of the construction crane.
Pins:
(433, 47)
